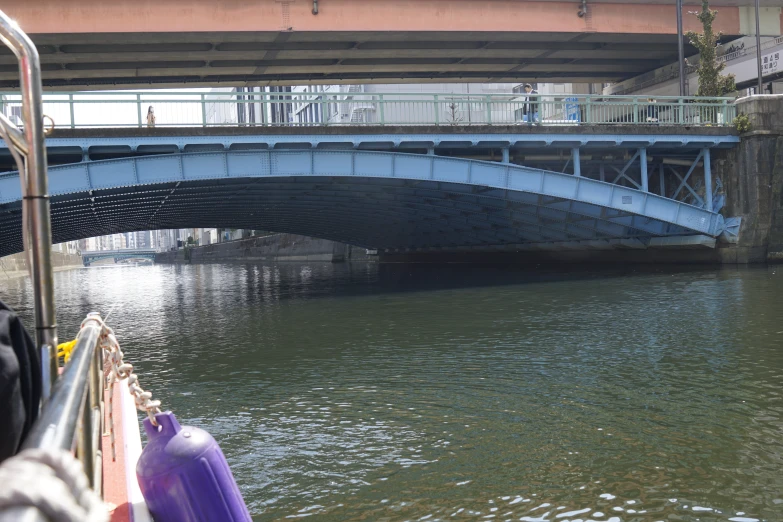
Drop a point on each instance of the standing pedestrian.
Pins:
(530, 107)
(652, 111)
(150, 117)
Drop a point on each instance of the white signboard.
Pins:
(770, 63)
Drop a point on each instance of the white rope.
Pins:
(119, 369)
(54, 483)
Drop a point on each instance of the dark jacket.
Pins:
(20, 382)
(531, 102)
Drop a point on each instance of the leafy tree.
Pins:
(711, 81)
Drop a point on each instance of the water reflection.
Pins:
(397, 393)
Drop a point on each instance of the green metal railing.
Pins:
(206, 109)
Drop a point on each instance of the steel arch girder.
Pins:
(133, 174)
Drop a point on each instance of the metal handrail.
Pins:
(73, 401)
(35, 191)
(207, 109)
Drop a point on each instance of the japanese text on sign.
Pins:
(770, 63)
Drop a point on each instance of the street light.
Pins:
(680, 48)
(758, 50)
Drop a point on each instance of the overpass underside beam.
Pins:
(284, 43)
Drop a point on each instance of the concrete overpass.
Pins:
(741, 63)
(122, 43)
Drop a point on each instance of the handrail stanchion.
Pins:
(138, 109)
(36, 198)
(588, 111)
(203, 110)
(70, 106)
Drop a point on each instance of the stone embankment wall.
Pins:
(752, 176)
(15, 265)
(273, 248)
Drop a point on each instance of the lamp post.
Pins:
(680, 49)
(758, 50)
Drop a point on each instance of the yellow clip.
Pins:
(64, 349)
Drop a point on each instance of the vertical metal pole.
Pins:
(382, 109)
(681, 48)
(602, 172)
(643, 164)
(203, 110)
(36, 199)
(707, 180)
(138, 108)
(758, 50)
(636, 109)
(70, 105)
(576, 161)
(506, 158)
(661, 180)
(588, 112)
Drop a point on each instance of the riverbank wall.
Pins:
(272, 248)
(752, 176)
(15, 265)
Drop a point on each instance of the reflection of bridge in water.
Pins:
(90, 257)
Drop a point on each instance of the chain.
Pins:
(118, 369)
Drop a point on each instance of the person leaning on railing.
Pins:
(150, 117)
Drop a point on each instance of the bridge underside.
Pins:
(385, 201)
(94, 43)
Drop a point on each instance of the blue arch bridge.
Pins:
(409, 189)
(89, 257)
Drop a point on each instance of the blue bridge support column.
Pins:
(575, 160)
(643, 164)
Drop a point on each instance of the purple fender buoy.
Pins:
(184, 476)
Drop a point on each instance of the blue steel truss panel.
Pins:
(489, 174)
(451, 170)
(249, 165)
(70, 178)
(156, 169)
(204, 166)
(10, 188)
(333, 165)
(414, 166)
(110, 175)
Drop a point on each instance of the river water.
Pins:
(397, 392)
